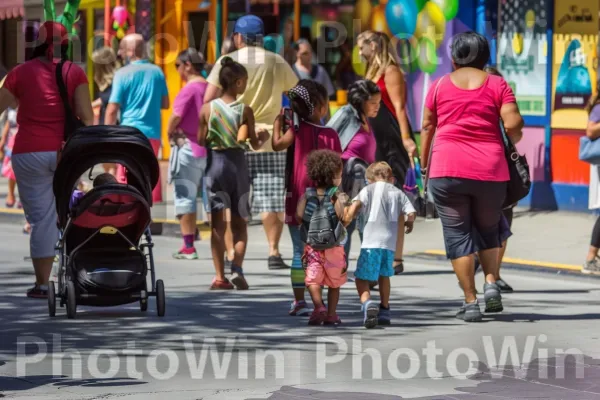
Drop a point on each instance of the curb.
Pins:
(514, 263)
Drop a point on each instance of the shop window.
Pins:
(198, 31)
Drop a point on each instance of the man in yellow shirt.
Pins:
(269, 76)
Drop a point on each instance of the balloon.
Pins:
(449, 8)
(431, 24)
(362, 12)
(357, 63)
(401, 17)
(420, 4)
(428, 59)
(517, 43)
(530, 19)
(378, 23)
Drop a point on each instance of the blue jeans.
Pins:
(296, 271)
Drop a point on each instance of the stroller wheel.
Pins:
(143, 301)
(160, 298)
(51, 299)
(71, 300)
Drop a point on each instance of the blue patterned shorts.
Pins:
(373, 263)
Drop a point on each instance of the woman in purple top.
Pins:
(351, 123)
(187, 162)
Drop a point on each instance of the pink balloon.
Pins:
(120, 14)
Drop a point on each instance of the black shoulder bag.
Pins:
(518, 169)
(72, 123)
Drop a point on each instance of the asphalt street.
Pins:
(243, 345)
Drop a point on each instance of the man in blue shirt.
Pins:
(139, 92)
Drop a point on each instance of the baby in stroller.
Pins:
(102, 179)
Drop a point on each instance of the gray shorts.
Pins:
(470, 212)
(35, 174)
(227, 183)
(186, 173)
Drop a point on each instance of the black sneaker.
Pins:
(493, 298)
(276, 262)
(504, 287)
(470, 312)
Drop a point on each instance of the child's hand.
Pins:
(409, 225)
(263, 135)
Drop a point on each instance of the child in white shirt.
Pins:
(387, 212)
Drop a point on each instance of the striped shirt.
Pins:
(223, 125)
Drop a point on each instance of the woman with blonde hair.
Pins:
(391, 127)
(105, 66)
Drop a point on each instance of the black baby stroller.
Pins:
(105, 246)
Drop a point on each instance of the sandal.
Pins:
(398, 266)
(221, 285)
(38, 292)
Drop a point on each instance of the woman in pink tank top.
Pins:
(468, 172)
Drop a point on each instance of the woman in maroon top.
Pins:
(32, 87)
(395, 142)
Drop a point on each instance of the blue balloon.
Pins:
(401, 16)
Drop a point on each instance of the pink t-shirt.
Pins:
(304, 143)
(41, 115)
(468, 141)
(363, 146)
(187, 105)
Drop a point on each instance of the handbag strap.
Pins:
(426, 178)
(62, 88)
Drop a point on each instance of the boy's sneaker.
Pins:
(299, 308)
(332, 320)
(504, 287)
(493, 298)
(186, 253)
(237, 278)
(591, 267)
(370, 311)
(470, 312)
(318, 316)
(385, 316)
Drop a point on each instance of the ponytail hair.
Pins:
(230, 72)
(360, 92)
(306, 96)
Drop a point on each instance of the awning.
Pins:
(11, 9)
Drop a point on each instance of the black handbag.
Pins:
(72, 123)
(519, 184)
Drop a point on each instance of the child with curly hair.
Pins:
(300, 134)
(325, 267)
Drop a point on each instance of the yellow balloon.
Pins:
(357, 63)
(378, 22)
(530, 19)
(517, 43)
(362, 12)
(431, 24)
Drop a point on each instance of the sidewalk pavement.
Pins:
(552, 241)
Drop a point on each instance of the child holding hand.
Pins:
(388, 213)
(324, 257)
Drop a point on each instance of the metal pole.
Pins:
(106, 22)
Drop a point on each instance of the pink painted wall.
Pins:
(533, 146)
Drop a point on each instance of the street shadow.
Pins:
(554, 378)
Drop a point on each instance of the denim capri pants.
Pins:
(186, 173)
(35, 175)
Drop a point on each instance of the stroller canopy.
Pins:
(94, 145)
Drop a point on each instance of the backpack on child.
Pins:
(321, 228)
